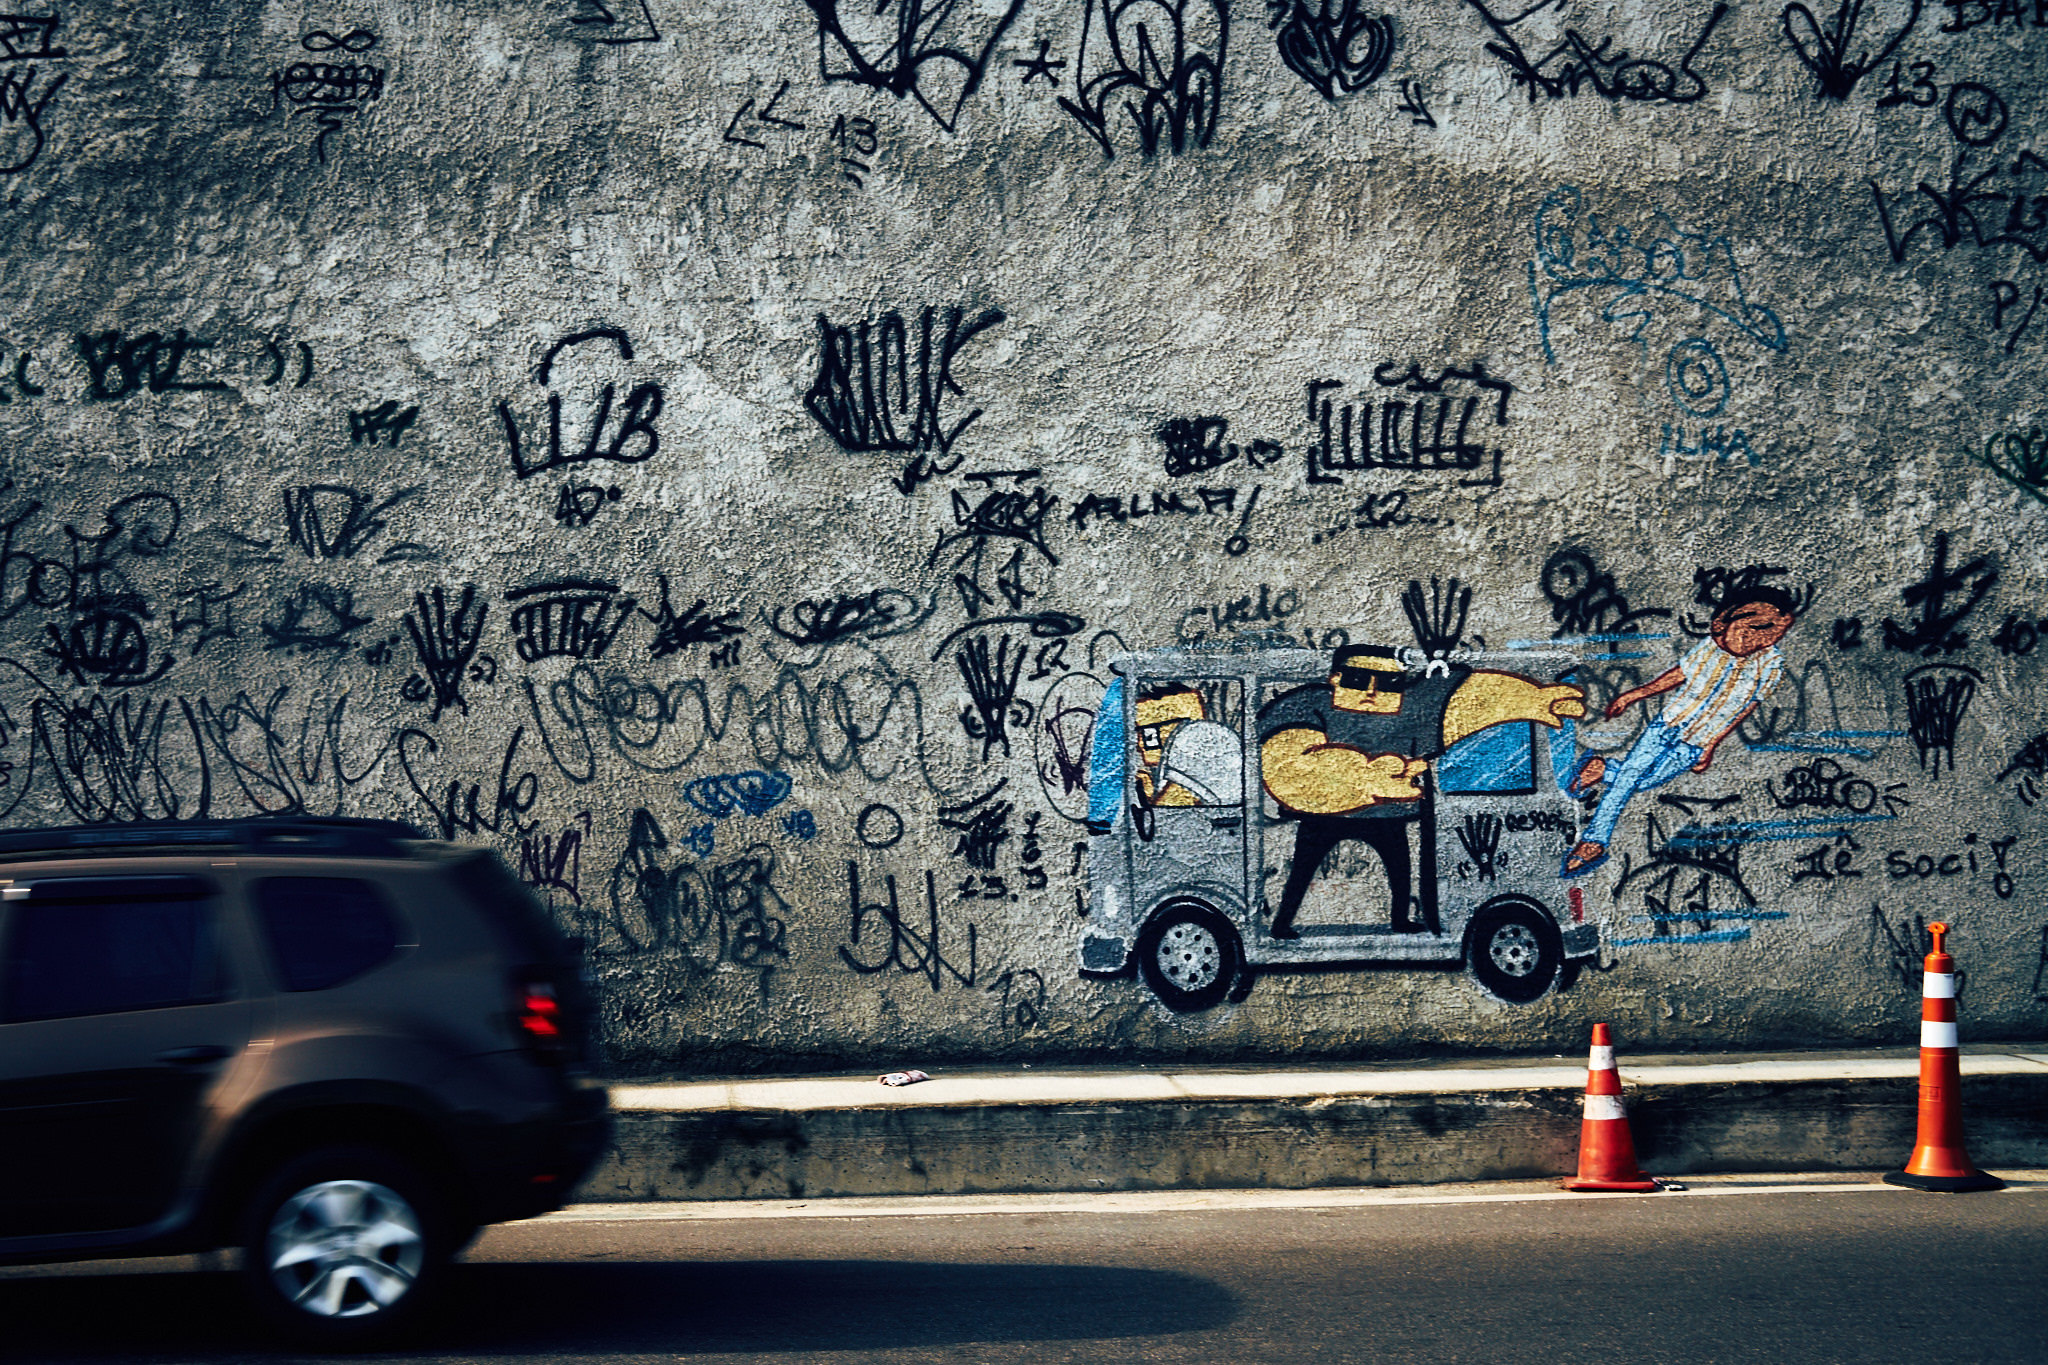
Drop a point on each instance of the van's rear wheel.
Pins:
(1514, 952)
(1190, 956)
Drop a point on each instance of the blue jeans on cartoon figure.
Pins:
(1657, 756)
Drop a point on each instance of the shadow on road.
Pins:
(499, 1310)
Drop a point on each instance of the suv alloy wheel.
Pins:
(343, 1246)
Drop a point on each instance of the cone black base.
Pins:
(1945, 1184)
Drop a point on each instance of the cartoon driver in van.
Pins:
(1345, 759)
(1189, 759)
(1159, 713)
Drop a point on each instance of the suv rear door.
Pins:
(120, 1013)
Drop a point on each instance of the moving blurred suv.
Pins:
(331, 1043)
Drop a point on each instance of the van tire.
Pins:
(1514, 951)
(1190, 956)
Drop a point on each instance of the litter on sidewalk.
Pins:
(903, 1078)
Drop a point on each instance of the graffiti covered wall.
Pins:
(1084, 529)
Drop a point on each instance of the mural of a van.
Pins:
(1191, 849)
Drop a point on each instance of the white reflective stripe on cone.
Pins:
(1937, 1033)
(1601, 1060)
(1938, 986)
(1604, 1107)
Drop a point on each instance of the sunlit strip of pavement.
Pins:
(1186, 1201)
(1096, 1086)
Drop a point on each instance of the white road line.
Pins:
(1180, 1201)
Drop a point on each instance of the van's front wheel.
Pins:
(1514, 952)
(1190, 956)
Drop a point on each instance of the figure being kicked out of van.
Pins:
(1714, 688)
(1346, 760)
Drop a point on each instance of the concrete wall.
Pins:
(716, 465)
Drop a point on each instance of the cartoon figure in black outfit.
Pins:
(1347, 760)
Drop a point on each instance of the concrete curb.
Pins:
(1295, 1129)
(2018, 1182)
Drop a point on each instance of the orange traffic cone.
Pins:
(1607, 1154)
(1939, 1161)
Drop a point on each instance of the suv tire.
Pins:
(345, 1246)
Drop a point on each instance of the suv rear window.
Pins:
(107, 945)
(323, 931)
(487, 884)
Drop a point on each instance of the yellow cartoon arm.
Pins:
(1489, 698)
(1305, 772)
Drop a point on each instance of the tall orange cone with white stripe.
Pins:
(1939, 1161)
(1607, 1154)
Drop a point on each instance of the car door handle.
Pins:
(200, 1054)
(1228, 822)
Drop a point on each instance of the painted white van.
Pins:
(1183, 894)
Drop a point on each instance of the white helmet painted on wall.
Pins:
(1204, 756)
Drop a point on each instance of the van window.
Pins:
(1184, 745)
(323, 931)
(1499, 760)
(97, 946)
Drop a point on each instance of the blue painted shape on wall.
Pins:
(1108, 752)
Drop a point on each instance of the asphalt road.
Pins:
(1811, 1275)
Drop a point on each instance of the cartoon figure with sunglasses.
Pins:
(1347, 760)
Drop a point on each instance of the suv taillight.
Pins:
(538, 1019)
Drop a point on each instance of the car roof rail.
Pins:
(284, 834)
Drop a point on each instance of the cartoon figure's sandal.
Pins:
(1576, 865)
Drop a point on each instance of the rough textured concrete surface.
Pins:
(723, 457)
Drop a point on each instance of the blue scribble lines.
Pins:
(1690, 877)
(1680, 280)
(1576, 250)
(1686, 882)
(1606, 639)
(1825, 742)
(1697, 377)
(1692, 883)
(753, 792)
(1728, 834)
